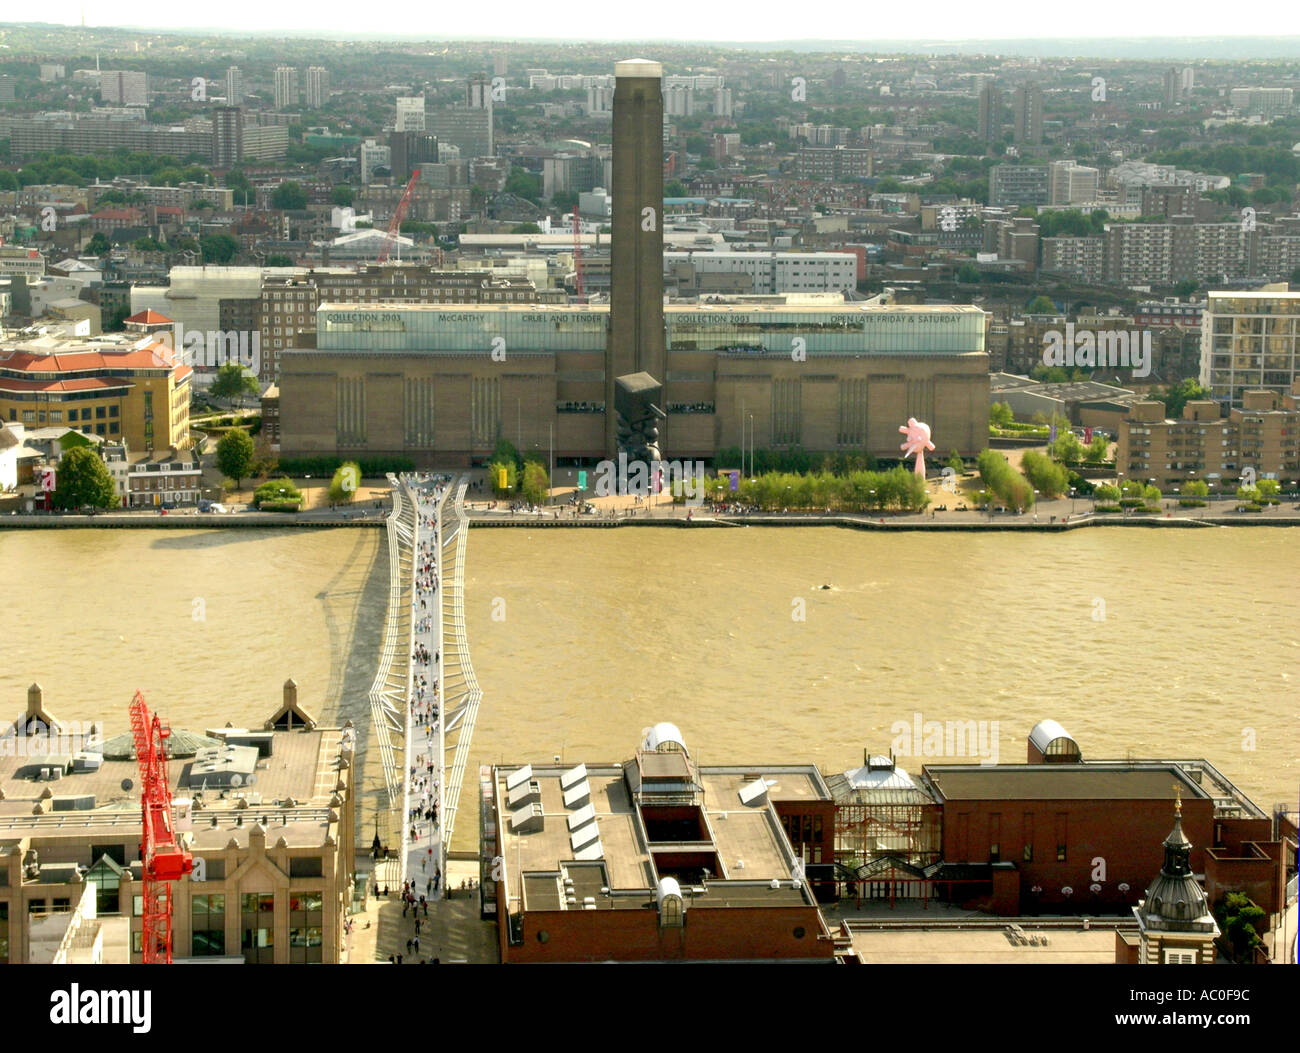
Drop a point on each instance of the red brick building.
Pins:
(654, 859)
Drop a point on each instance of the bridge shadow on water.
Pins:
(355, 604)
(213, 537)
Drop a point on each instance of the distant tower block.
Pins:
(636, 327)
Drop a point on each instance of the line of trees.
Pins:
(1004, 481)
(512, 475)
(1044, 474)
(899, 489)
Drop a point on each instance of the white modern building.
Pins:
(778, 272)
(193, 298)
(410, 114)
(1250, 340)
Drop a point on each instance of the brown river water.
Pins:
(1150, 643)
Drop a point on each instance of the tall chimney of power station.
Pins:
(636, 327)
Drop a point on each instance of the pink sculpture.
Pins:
(918, 441)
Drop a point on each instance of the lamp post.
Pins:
(1072, 500)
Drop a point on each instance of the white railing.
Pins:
(411, 486)
(459, 714)
(391, 687)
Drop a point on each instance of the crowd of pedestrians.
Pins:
(423, 797)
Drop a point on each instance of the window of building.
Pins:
(305, 866)
(101, 412)
(106, 873)
(208, 918)
(258, 945)
(257, 923)
(29, 416)
(305, 945)
(112, 411)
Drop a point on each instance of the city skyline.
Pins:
(951, 23)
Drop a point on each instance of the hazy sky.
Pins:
(757, 20)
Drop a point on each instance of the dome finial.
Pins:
(1178, 799)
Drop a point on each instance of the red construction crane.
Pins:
(577, 256)
(164, 860)
(399, 213)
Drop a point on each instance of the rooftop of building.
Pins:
(588, 824)
(1100, 781)
(836, 308)
(1069, 391)
(77, 785)
(1255, 294)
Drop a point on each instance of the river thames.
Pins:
(1144, 643)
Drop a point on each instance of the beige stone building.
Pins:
(442, 383)
(267, 814)
(1263, 435)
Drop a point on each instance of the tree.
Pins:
(98, 245)
(956, 463)
(279, 493)
(218, 248)
(289, 196)
(1106, 493)
(231, 382)
(523, 183)
(1040, 305)
(525, 228)
(235, 454)
(342, 195)
(675, 188)
(1241, 920)
(1179, 395)
(1067, 448)
(968, 274)
(83, 479)
(1098, 449)
(1000, 414)
(1196, 488)
(1044, 474)
(536, 486)
(279, 260)
(503, 476)
(343, 487)
(505, 451)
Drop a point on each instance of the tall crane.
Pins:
(577, 256)
(399, 213)
(164, 859)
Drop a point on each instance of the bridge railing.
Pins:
(389, 691)
(458, 714)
